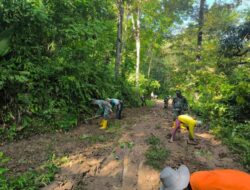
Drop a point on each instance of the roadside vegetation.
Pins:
(32, 179)
(55, 56)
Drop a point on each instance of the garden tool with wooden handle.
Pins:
(88, 120)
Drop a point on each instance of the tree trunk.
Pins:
(150, 63)
(201, 21)
(138, 46)
(119, 39)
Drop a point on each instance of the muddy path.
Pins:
(115, 159)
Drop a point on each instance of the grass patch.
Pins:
(150, 103)
(109, 135)
(203, 153)
(114, 127)
(156, 156)
(94, 138)
(128, 145)
(156, 153)
(30, 180)
(153, 140)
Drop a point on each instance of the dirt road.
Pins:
(115, 159)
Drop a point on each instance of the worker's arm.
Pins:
(109, 107)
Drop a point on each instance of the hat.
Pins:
(174, 179)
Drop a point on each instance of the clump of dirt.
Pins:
(115, 159)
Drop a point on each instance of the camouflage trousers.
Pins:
(119, 109)
(104, 112)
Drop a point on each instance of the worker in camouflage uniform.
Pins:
(180, 105)
(118, 104)
(104, 109)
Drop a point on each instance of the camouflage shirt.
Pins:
(180, 103)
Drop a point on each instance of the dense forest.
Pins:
(56, 55)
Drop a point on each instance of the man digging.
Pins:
(105, 109)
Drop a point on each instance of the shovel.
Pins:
(89, 120)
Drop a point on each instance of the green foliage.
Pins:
(129, 145)
(54, 57)
(236, 40)
(150, 103)
(156, 154)
(236, 136)
(33, 179)
(57, 55)
(94, 138)
(115, 128)
(203, 153)
(153, 140)
(217, 86)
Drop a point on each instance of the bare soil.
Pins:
(118, 161)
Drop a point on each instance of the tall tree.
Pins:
(138, 46)
(136, 30)
(119, 37)
(201, 22)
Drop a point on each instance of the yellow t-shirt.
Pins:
(189, 122)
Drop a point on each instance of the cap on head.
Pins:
(178, 92)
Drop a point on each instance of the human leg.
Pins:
(174, 130)
(104, 123)
(120, 110)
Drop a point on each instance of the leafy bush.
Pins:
(54, 57)
(156, 154)
(153, 140)
(29, 180)
(236, 136)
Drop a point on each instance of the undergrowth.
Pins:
(150, 103)
(30, 180)
(236, 136)
(114, 130)
(156, 154)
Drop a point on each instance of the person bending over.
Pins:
(105, 109)
(189, 123)
(118, 104)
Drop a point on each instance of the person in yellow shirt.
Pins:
(189, 123)
(217, 179)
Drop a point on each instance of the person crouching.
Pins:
(189, 123)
